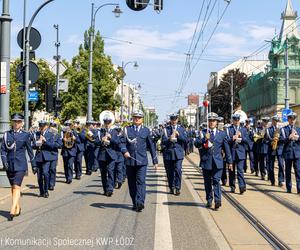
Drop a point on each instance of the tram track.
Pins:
(258, 225)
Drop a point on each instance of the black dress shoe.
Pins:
(119, 185)
(10, 217)
(78, 177)
(256, 173)
(69, 182)
(208, 204)
(46, 195)
(262, 177)
(51, 188)
(134, 207)
(298, 191)
(139, 207)
(289, 191)
(218, 205)
(242, 190)
(172, 191)
(252, 171)
(89, 173)
(272, 183)
(177, 192)
(280, 184)
(41, 195)
(224, 183)
(109, 193)
(232, 189)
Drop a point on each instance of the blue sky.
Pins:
(245, 26)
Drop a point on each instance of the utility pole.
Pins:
(57, 58)
(5, 20)
(90, 82)
(287, 75)
(231, 94)
(122, 94)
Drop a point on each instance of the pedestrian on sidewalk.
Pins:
(13, 155)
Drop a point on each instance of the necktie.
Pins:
(212, 135)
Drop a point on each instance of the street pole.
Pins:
(90, 82)
(287, 75)
(128, 86)
(24, 28)
(5, 20)
(27, 48)
(122, 93)
(94, 12)
(57, 58)
(231, 94)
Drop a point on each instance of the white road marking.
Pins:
(163, 235)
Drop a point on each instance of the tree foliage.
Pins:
(221, 95)
(105, 81)
(17, 97)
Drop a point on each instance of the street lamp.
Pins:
(135, 66)
(117, 11)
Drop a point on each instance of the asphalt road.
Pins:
(78, 216)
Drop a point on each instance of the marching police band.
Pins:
(122, 152)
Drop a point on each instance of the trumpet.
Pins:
(106, 139)
(173, 137)
(89, 135)
(294, 135)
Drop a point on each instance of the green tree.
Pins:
(17, 97)
(105, 81)
(221, 95)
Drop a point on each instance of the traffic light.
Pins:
(158, 5)
(137, 5)
(58, 105)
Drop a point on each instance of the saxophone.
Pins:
(274, 143)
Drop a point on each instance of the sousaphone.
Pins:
(107, 114)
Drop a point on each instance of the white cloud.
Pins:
(74, 39)
(229, 39)
(147, 43)
(260, 33)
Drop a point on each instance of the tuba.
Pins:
(68, 139)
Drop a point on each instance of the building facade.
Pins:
(264, 93)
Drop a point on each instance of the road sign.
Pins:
(35, 38)
(34, 73)
(62, 68)
(63, 85)
(33, 96)
(285, 113)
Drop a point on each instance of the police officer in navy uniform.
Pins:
(273, 133)
(174, 139)
(89, 154)
(263, 147)
(238, 140)
(69, 151)
(78, 131)
(249, 147)
(13, 155)
(211, 142)
(119, 162)
(45, 144)
(138, 140)
(53, 164)
(289, 136)
(108, 141)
